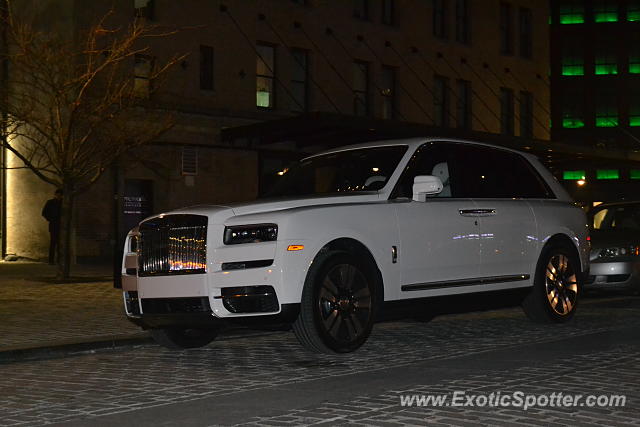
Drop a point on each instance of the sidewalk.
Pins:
(39, 318)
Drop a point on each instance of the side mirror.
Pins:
(426, 185)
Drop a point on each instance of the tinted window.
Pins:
(430, 159)
(485, 172)
(344, 172)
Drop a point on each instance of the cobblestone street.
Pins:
(58, 313)
(268, 379)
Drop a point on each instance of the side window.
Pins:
(486, 172)
(430, 159)
(528, 183)
(478, 172)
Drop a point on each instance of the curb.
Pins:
(60, 350)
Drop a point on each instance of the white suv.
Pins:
(347, 231)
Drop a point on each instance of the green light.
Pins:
(633, 15)
(572, 123)
(576, 18)
(605, 17)
(634, 121)
(262, 99)
(606, 69)
(606, 122)
(607, 174)
(634, 67)
(634, 174)
(574, 175)
(573, 70)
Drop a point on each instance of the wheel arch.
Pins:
(360, 250)
(564, 240)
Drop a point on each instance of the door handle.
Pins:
(477, 212)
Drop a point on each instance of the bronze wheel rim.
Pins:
(561, 285)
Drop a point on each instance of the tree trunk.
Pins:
(64, 244)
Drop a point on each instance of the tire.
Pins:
(183, 338)
(338, 304)
(557, 286)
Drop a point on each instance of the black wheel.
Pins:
(338, 304)
(556, 286)
(183, 338)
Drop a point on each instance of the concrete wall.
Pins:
(27, 230)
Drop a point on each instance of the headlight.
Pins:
(250, 233)
(621, 251)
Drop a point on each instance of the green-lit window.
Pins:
(634, 174)
(607, 174)
(574, 175)
(606, 108)
(606, 59)
(607, 121)
(265, 76)
(634, 57)
(634, 64)
(573, 108)
(572, 122)
(606, 64)
(633, 11)
(605, 11)
(571, 12)
(572, 57)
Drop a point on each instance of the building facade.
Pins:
(595, 86)
(467, 65)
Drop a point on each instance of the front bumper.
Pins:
(614, 274)
(187, 312)
(236, 282)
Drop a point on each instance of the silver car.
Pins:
(615, 245)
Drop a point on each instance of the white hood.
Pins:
(220, 213)
(278, 204)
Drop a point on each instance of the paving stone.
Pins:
(91, 385)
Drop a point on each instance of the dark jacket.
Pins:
(52, 211)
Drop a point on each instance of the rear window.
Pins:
(624, 217)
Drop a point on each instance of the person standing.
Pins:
(51, 212)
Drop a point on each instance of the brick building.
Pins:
(292, 72)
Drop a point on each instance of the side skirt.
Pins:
(466, 282)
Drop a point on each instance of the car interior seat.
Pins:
(441, 170)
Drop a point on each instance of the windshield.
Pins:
(344, 172)
(623, 217)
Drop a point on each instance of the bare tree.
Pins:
(74, 104)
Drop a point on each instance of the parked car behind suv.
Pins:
(615, 243)
(346, 232)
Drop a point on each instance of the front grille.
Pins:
(175, 305)
(173, 244)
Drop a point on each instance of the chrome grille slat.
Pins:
(173, 244)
